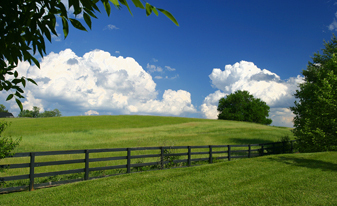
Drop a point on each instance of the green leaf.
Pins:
(23, 81)
(115, 2)
(77, 24)
(124, 2)
(63, 10)
(65, 26)
(10, 97)
(37, 63)
(169, 15)
(138, 4)
(16, 81)
(148, 9)
(87, 19)
(19, 104)
(155, 10)
(16, 74)
(32, 81)
(107, 7)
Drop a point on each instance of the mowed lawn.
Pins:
(288, 179)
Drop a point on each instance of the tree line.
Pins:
(35, 113)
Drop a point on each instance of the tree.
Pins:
(25, 23)
(3, 108)
(241, 106)
(315, 111)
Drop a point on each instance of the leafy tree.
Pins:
(3, 108)
(315, 111)
(241, 106)
(7, 144)
(25, 23)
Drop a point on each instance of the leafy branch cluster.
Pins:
(25, 23)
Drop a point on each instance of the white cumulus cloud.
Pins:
(261, 83)
(91, 112)
(99, 82)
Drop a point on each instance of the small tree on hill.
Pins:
(241, 106)
(316, 109)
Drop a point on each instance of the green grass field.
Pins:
(293, 179)
(87, 132)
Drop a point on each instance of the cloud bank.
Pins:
(99, 83)
(263, 84)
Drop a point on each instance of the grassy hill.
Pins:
(291, 179)
(87, 132)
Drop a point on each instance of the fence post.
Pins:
(128, 164)
(189, 156)
(229, 153)
(31, 173)
(86, 170)
(210, 159)
(161, 158)
(249, 151)
(262, 149)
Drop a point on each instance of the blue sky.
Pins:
(149, 66)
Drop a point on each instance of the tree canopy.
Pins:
(36, 113)
(24, 25)
(315, 110)
(241, 106)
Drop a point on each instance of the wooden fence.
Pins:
(252, 150)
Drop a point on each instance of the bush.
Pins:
(7, 144)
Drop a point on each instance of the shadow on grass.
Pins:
(308, 163)
(248, 141)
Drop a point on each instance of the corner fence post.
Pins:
(31, 173)
(210, 155)
(86, 170)
(161, 158)
(128, 164)
(249, 151)
(229, 153)
(189, 156)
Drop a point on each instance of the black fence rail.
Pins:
(166, 157)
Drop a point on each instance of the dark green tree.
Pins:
(241, 106)
(24, 25)
(3, 108)
(315, 109)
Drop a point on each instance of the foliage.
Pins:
(3, 108)
(7, 144)
(36, 113)
(25, 23)
(316, 115)
(241, 106)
